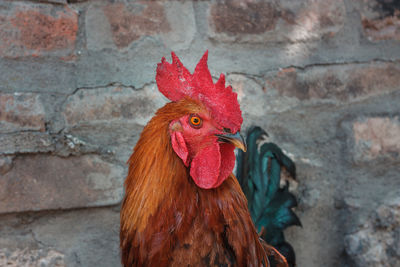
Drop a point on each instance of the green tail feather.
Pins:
(270, 206)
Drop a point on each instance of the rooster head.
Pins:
(205, 136)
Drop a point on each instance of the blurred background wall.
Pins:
(77, 86)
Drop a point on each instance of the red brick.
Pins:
(36, 30)
(381, 20)
(44, 182)
(264, 21)
(238, 17)
(375, 137)
(130, 23)
(343, 83)
(382, 29)
(21, 111)
(111, 103)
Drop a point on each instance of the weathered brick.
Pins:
(343, 82)
(375, 137)
(48, 182)
(249, 93)
(376, 241)
(134, 64)
(112, 103)
(76, 237)
(56, 1)
(46, 75)
(270, 21)
(21, 111)
(129, 23)
(115, 138)
(26, 142)
(235, 17)
(5, 164)
(171, 23)
(110, 119)
(381, 20)
(28, 257)
(254, 99)
(37, 29)
(382, 29)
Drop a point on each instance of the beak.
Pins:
(236, 139)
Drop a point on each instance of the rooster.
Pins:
(183, 206)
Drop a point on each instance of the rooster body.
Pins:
(182, 205)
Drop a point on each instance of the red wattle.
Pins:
(212, 165)
(227, 160)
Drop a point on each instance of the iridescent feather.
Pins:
(259, 174)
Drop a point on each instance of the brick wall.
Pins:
(77, 87)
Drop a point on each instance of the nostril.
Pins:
(227, 130)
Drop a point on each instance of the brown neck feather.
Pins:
(156, 181)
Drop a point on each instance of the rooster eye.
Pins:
(195, 121)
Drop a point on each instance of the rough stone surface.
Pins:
(26, 142)
(77, 237)
(376, 136)
(21, 112)
(98, 29)
(36, 30)
(377, 242)
(30, 76)
(181, 18)
(48, 182)
(255, 98)
(5, 164)
(26, 257)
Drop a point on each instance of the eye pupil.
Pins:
(195, 121)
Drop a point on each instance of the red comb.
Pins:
(175, 82)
